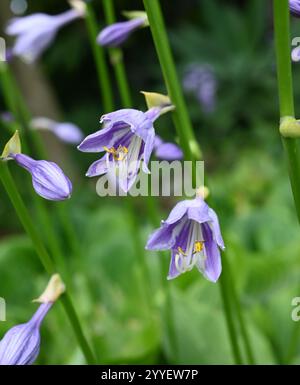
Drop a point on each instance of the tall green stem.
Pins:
(185, 131)
(16, 104)
(45, 259)
(181, 117)
(99, 56)
(285, 90)
(116, 58)
(286, 102)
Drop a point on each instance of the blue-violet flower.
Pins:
(193, 235)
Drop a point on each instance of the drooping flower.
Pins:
(193, 235)
(166, 151)
(295, 7)
(201, 81)
(21, 344)
(65, 131)
(115, 34)
(48, 179)
(128, 138)
(34, 33)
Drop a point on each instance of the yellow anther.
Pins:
(198, 247)
(119, 153)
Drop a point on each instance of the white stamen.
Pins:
(185, 261)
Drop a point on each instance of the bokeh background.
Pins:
(228, 47)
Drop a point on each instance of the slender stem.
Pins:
(229, 319)
(45, 258)
(116, 58)
(16, 104)
(181, 117)
(184, 129)
(99, 56)
(286, 102)
(285, 90)
(240, 316)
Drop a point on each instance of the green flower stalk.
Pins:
(288, 125)
(43, 255)
(189, 145)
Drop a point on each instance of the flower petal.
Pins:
(99, 167)
(212, 265)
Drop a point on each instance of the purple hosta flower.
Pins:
(115, 34)
(128, 138)
(36, 32)
(295, 7)
(201, 81)
(193, 235)
(48, 179)
(21, 344)
(166, 151)
(67, 132)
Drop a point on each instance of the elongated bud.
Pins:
(21, 344)
(115, 34)
(13, 146)
(48, 179)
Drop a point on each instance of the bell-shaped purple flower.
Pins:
(295, 7)
(115, 34)
(21, 344)
(193, 235)
(128, 138)
(166, 151)
(65, 131)
(36, 32)
(48, 179)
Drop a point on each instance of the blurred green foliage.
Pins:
(248, 179)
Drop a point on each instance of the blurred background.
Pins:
(225, 59)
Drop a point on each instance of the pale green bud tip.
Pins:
(13, 146)
(78, 5)
(53, 291)
(154, 99)
(202, 192)
(289, 127)
(137, 15)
